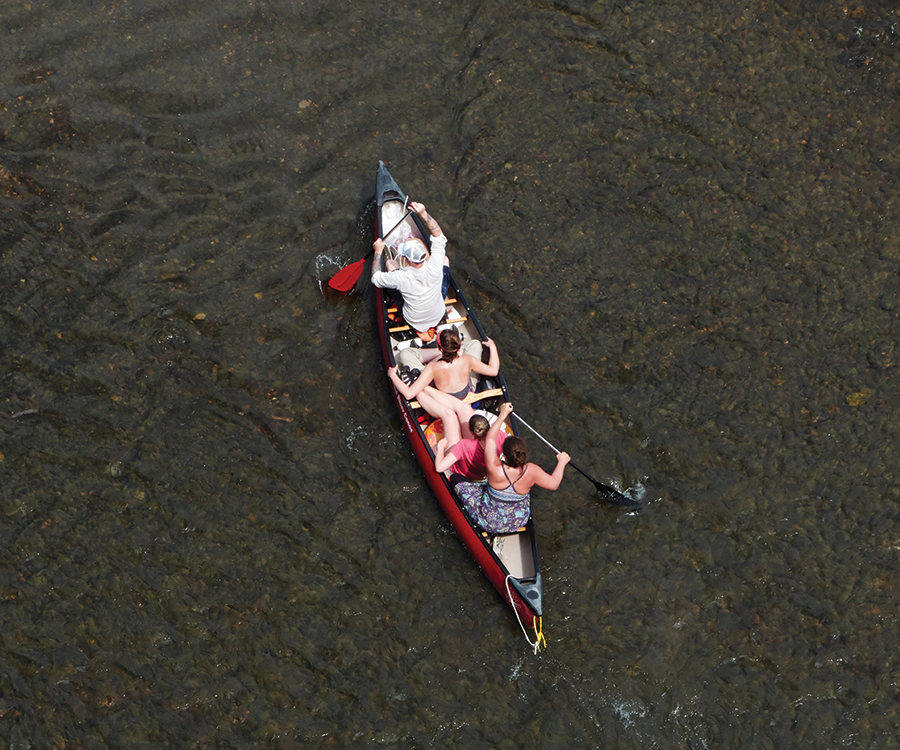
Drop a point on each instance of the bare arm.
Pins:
(429, 222)
(377, 263)
(493, 366)
(409, 392)
(491, 457)
(443, 459)
(551, 481)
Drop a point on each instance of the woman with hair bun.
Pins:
(502, 505)
(467, 456)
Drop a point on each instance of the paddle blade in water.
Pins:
(616, 498)
(345, 279)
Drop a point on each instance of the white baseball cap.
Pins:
(414, 251)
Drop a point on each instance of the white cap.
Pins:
(413, 250)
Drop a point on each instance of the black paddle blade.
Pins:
(615, 498)
(609, 494)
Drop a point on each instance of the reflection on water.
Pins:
(675, 221)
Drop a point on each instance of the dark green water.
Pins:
(679, 222)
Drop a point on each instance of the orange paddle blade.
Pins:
(345, 279)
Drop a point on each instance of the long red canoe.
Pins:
(510, 561)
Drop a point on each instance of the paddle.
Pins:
(610, 494)
(345, 279)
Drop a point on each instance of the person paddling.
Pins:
(502, 505)
(420, 282)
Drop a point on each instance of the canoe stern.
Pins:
(532, 591)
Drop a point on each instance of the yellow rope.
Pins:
(538, 625)
(539, 640)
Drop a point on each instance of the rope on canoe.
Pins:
(539, 635)
(539, 640)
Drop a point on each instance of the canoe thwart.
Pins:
(398, 329)
(470, 398)
(448, 301)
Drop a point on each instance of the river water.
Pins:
(679, 221)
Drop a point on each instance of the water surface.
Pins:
(677, 220)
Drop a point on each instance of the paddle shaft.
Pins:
(617, 496)
(347, 277)
(408, 212)
(551, 446)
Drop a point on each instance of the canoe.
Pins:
(510, 561)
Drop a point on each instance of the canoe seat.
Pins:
(463, 319)
(470, 398)
(448, 301)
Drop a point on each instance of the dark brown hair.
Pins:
(450, 344)
(479, 425)
(514, 451)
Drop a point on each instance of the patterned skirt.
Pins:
(495, 511)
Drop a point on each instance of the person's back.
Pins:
(503, 505)
(466, 457)
(421, 281)
(420, 286)
(452, 371)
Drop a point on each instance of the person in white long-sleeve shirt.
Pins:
(420, 281)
